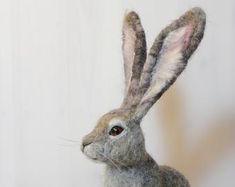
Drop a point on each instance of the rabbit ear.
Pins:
(134, 55)
(168, 57)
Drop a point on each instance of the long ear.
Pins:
(168, 57)
(134, 55)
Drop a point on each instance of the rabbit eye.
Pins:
(116, 130)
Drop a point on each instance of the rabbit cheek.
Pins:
(107, 148)
(118, 150)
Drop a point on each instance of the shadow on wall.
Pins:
(194, 161)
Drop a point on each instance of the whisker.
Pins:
(111, 161)
(69, 140)
(108, 158)
(64, 145)
(120, 162)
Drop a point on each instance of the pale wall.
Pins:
(61, 68)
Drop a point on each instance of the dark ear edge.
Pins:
(134, 55)
(195, 17)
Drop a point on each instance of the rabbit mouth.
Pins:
(89, 152)
(94, 153)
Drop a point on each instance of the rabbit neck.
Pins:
(136, 175)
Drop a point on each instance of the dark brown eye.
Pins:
(116, 130)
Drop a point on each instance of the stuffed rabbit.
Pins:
(117, 139)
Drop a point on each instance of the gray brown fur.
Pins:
(132, 22)
(127, 162)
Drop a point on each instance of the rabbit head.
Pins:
(117, 137)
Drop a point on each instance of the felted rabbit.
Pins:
(117, 139)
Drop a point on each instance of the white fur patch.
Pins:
(128, 53)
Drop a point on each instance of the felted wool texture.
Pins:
(147, 77)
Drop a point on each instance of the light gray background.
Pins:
(61, 68)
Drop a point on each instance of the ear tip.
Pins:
(198, 10)
(131, 17)
(197, 14)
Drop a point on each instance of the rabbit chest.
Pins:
(132, 177)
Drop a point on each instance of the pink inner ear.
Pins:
(180, 38)
(187, 35)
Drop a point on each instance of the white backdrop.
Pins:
(61, 68)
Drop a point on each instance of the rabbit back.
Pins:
(172, 178)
